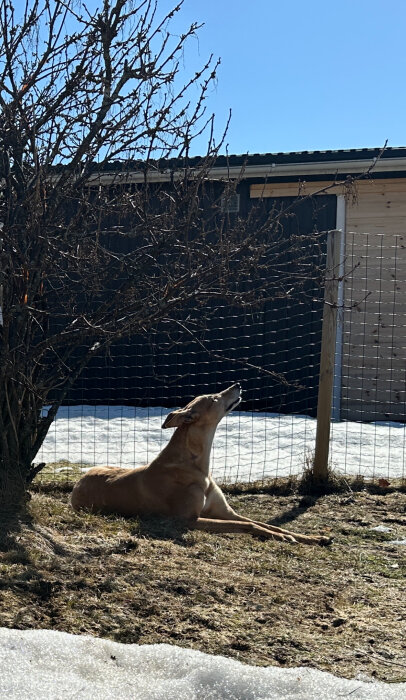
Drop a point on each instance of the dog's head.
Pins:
(205, 410)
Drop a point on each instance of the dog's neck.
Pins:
(189, 446)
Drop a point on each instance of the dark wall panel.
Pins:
(281, 337)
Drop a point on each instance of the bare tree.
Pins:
(86, 96)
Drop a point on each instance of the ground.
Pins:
(340, 608)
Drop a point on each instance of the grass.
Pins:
(61, 472)
(340, 609)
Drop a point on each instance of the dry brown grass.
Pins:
(340, 609)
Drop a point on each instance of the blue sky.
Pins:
(303, 75)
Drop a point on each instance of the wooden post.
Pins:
(328, 341)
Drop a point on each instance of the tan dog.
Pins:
(177, 482)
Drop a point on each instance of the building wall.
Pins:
(374, 329)
(272, 347)
(374, 338)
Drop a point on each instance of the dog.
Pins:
(177, 483)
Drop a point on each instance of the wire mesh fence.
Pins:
(115, 411)
(268, 438)
(371, 438)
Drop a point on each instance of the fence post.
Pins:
(327, 355)
(338, 361)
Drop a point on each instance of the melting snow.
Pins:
(40, 664)
(247, 446)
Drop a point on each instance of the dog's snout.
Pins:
(232, 396)
(233, 390)
(237, 385)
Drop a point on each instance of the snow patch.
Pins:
(52, 665)
(247, 446)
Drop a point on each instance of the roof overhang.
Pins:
(265, 171)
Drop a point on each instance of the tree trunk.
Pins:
(13, 493)
(21, 428)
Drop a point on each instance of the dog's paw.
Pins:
(325, 541)
(290, 539)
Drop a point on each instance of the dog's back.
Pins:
(110, 490)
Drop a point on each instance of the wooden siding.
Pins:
(374, 337)
(373, 206)
(374, 332)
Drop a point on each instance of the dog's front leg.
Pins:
(303, 539)
(217, 508)
(322, 540)
(238, 526)
(188, 503)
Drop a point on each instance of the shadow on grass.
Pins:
(22, 575)
(11, 523)
(157, 528)
(293, 513)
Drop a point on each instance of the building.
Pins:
(361, 192)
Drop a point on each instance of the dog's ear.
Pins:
(183, 416)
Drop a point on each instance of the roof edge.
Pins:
(269, 171)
